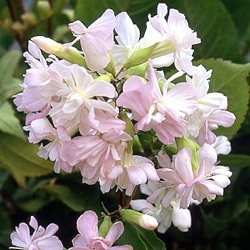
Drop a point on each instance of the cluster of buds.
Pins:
(90, 105)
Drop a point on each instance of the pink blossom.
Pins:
(38, 89)
(40, 239)
(135, 170)
(97, 156)
(127, 37)
(77, 95)
(41, 129)
(89, 238)
(177, 31)
(165, 216)
(181, 181)
(96, 40)
(222, 145)
(211, 109)
(164, 111)
(214, 119)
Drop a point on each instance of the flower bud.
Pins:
(105, 226)
(143, 220)
(29, 19)
(148, 222)
(52, 47)
(44, 9)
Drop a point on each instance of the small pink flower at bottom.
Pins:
(40, 239)
(89, 238)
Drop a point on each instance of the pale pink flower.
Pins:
(89, 238)
(96, 40)
(164, 111)
(222, 145)
(40, 239)
(135, 170)
(177, 31)
(38, 89)
(165, 216)
(127, 37)
(181, 181)
(211, 109)
(41, 129)
(77, 95)
(97, 156)
(212, 121)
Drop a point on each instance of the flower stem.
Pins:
(131, 197)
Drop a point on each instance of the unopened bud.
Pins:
(143, 220)
(29, 19)
(44, 9)
(148, 222)
(52, 47)
(105, 226)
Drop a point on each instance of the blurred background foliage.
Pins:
(27, 182)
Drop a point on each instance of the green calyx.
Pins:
(129, 129)
(142, 55)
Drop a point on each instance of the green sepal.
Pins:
(193, 146)
(139, 70)
(71, 55)
(106, 77)
(129, 129)
(111, 66)
(140, 56)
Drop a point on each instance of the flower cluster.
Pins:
(86, 109)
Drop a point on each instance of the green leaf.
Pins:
(69, 197)
(5, 227)
(5, 220)
(140, 238)
(213, 24)
(238, 11)
(8, 121)
(235, 161)
(88, 11)
(230, 79)
(8, 84)
(58, 6)
(33, 205)
(20, 158)
(3, 177)
(5, 40)
(212, 225)
(151, 240)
